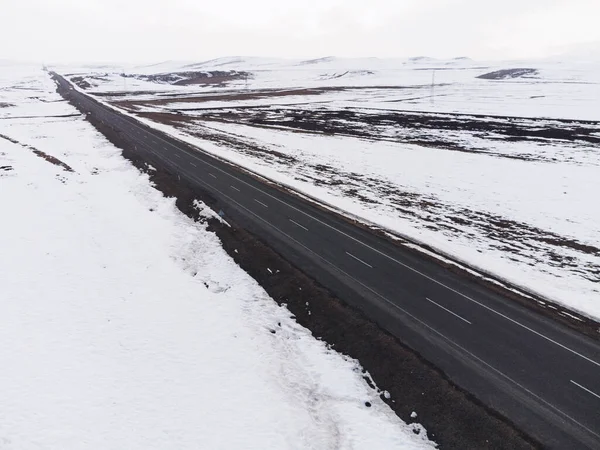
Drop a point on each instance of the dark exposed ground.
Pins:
(238, 95)
(169, 96)
(209, 97)
(81, 82)
(505, 74)
(209, 78)
(215, 77)
(452, 417)
(407, 126)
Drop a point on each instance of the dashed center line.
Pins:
(260, 203)
(177, 155)
(212, 175)
(192, 164)
(234, 188)
(447, 310)
(585, 389)
(359, 260)
(297, 224)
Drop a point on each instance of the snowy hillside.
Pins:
(125, 325)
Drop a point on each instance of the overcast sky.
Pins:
(156, 30)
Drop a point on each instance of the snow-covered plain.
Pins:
(125, 325)
(502, 174)
(560, 89)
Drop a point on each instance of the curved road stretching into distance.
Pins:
(543, 376)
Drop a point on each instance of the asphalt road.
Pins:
(542, 375)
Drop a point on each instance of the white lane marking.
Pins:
(193, 153)
(192, 164)
(153, 141)
(296, 223)
(177, 155)
(359, 260)
(234, 188)
(446, 309)
(260, 203)
(212, 175)
(416, 319)
(585, 389)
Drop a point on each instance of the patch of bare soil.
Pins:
(508, 74)
(232, 96)
(409, 126)
(164, 98)
(168, 118)
(51, 159)
(125, 93)
(452, 417)
(215, 77)
(554, 140)
(81, 82)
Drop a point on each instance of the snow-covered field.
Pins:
(557, 89)
(501, 172)
(125, 325)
